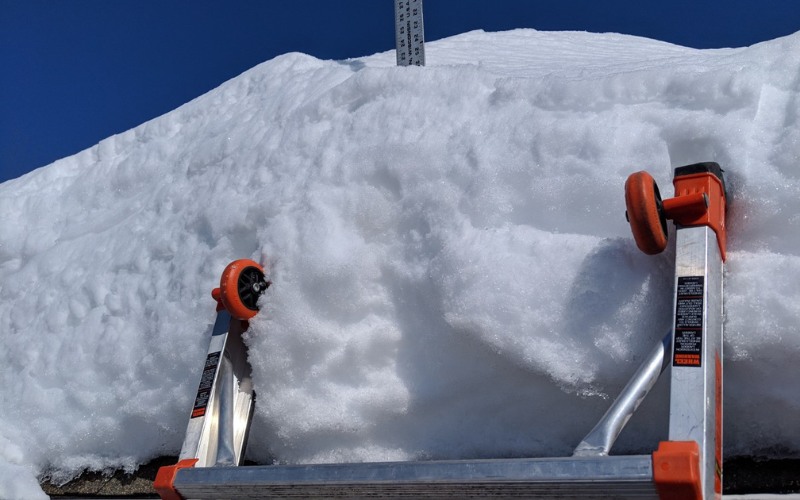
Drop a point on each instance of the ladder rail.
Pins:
(220, 420)
(696, 381)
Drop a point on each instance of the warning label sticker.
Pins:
(206, 382)
(688, 347)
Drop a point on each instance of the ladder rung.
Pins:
(592, 477)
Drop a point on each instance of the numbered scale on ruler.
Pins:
(409, 33)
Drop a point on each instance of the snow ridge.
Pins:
(453, 274)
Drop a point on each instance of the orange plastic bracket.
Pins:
(676, 471)
(165, 479)
(216, 294)
(699, 201)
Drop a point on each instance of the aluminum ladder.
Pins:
(687, 466)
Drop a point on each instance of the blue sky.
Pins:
(73, 72)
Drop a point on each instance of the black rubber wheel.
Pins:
(251, 285)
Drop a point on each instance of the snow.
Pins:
(763, 497)
(452, 271)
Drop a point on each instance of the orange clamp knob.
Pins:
(676, 471)
(698, 180)
(699, 200)
(165, 479)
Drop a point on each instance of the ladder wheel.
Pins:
(242, 283)
(646, 213)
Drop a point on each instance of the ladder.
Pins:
(686, 466)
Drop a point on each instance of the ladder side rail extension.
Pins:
(696, 376)
(199, 442)
(236, 400)
(695, 421)
(223, 405)
(219, 422)
(696, 380)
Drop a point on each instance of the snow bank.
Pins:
(453, 273)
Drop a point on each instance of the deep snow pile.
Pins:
(453, 273)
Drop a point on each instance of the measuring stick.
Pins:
(409, 33)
